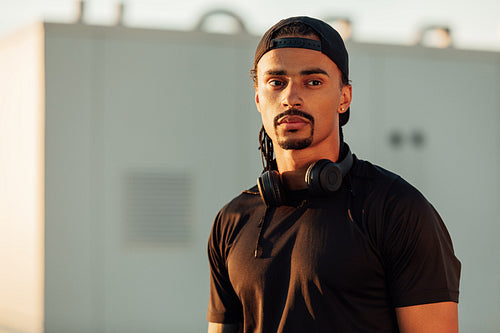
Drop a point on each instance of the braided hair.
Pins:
(266, 149)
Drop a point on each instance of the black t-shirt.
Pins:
(336, 263)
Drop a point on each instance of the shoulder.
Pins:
(232, 217)
(382, 185)
(247, 201)
(389, 203)
(230, 221)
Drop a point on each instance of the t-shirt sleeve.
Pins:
(224, 305)
(421, 264)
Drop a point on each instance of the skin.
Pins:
(432, 318)
(310, 81)
(224, 328)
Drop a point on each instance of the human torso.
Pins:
(316, 267)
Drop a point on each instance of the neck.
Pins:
(293, 164)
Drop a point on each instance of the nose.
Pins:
(291, 96)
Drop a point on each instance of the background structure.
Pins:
(474, 24)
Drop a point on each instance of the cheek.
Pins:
(268, 122)
(328, 115)
(266, 108)
(329, 105)
(266, 100)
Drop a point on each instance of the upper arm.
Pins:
(223, 328)
(435, 317)
(418, 253)
(224, 304)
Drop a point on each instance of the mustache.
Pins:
(293, 112)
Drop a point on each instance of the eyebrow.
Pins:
(314, 71)
(275, 72)
(303, 73)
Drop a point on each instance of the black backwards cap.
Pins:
(330, 44)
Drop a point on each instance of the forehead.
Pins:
(295, 59)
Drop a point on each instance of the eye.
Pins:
(314, 83)
(276, 83)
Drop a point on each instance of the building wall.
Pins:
(141, 112)
(21, 181)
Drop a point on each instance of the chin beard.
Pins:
(295, 144)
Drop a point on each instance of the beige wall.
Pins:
(21, 181)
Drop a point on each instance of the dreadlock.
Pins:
(266, 149)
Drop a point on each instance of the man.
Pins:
(320, 246)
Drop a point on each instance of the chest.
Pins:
(303, 248)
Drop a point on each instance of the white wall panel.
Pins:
(169, 109)
(69, 268)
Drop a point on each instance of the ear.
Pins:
(345, 98)
(257, 103)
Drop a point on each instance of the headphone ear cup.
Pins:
(270, 188)
(323, 177)
(330, 178)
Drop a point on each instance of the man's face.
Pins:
(298, 93)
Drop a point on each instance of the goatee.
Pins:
(294, 144)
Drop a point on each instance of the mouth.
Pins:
(292, 123)
(293, 119)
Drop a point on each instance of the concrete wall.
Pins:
(140, 111)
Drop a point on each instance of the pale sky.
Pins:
(475, 24)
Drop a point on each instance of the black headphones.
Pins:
(322, 177)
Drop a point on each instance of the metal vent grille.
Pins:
(158, 207)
